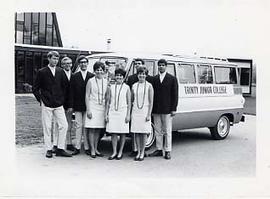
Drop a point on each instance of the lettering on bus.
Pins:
(191, 89)
(204, 90)
(219, 89)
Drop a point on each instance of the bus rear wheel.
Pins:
(221, 130)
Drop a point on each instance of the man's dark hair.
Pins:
(162, 61)
(81, 57)
(139, 59)
(107, 62)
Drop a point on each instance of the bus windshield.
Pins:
(111, 63)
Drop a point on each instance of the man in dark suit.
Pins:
(134, 78)
(130, 81)
(49, 89)
(66, 64)
(77, 102)
(164, 107)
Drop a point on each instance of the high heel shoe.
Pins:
(99, 155)
(93, 156)
(141, 158)
(136, 158)
(119, 157)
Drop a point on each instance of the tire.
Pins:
(221, 130)
(150, 138)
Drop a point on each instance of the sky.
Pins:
(206, 28)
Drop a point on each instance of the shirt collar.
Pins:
(83, 74)
(52, 69)
(68, 73)
(162, 74)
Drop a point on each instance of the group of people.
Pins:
(100, 106)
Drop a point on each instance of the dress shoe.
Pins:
(99, 155)
(93, 156)
(70, 147)
(54, 149)
(49, 154)
(76, 151)
(87, 152)
(141, 158)
(112, 157)
(156, 153)
(136, 159)
(133, 154)
(167, 155)
(119, 157)
(62, 153)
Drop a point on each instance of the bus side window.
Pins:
(186, 74)
(170, 69)
(205, 75)
(150, 67)
(91, 62)
(225, 75)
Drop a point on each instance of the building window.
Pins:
(225, 75)
(42, 30)
(55, 39)
(19, 27)
(27, 28)
(49, 31)
(245, 76)
(35, 30)
(186, 73)
(29, 68)
(20, 65)
(205, 75)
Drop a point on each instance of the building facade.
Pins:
(35, 35)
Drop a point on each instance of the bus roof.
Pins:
(168, 57)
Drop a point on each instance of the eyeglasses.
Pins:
(83, 62)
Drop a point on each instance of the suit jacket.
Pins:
(134, 78)
(67, 92)
(77, 91)
(50, 89)
(165, 94)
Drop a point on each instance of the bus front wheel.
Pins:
(150, 138)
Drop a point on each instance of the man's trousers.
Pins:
(163, 124)
(47, 115)
(56, 133)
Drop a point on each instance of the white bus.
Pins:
(209, 91)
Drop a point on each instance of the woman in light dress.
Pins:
(142, 104)
(118, 105)
(95, 107)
